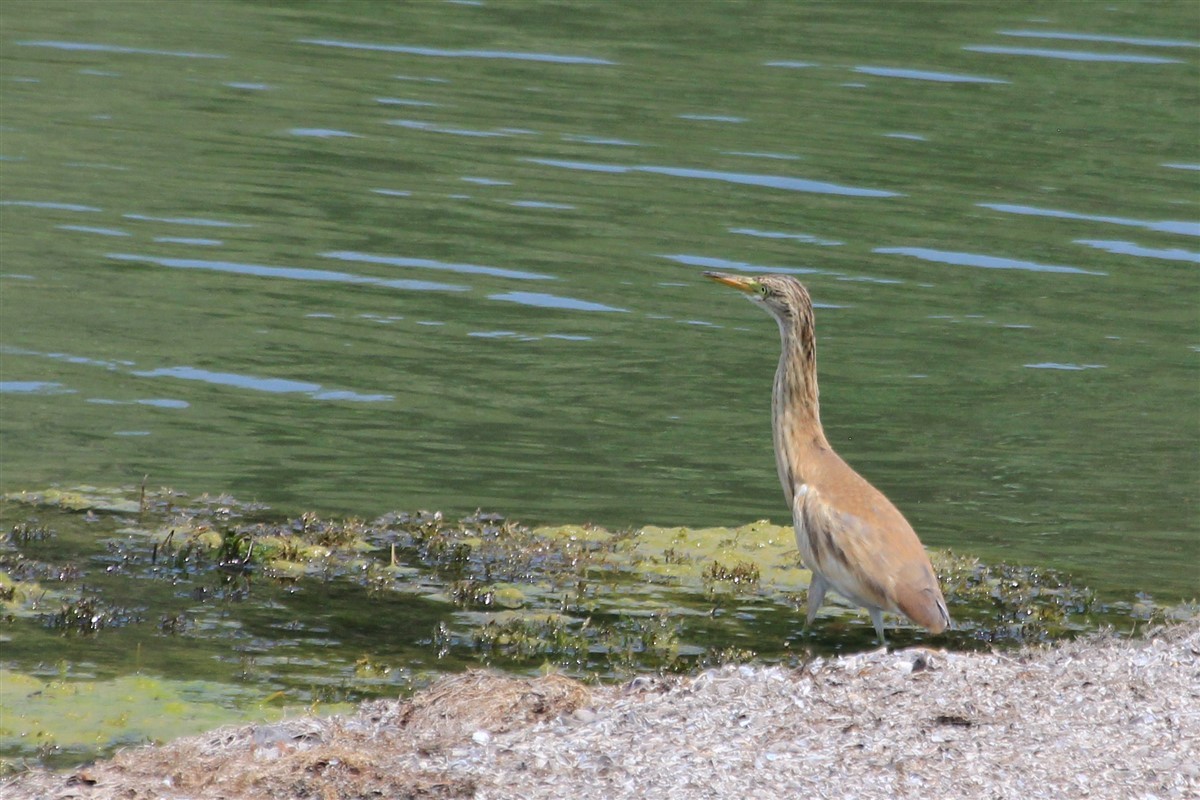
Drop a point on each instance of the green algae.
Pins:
(247, 604)
(71, 717)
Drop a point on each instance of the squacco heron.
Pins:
(850, 536)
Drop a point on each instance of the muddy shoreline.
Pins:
(1102, 717)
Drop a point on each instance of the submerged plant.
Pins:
(89, 615)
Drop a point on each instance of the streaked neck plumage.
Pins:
(795, 407)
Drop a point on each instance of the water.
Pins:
(360, 258)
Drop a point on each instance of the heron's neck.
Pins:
(795, 407)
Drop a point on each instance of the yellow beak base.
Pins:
(736, 281)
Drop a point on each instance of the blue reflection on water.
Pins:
(603, 140)
(1067, 367)
(290, 273)
(1163, 226)
(485, 181)
(111, 48)
(720, 263)
(1093, 37)
(777, 156)
(33, 387)
(769, 181)
(323, 133)
(153, 402)
(799, 237)
(711, 118)
(48, 205)
(542, 204)
(540, 300)
(197, 221)
(978, 260)
(417, 125)
(427, 263)
(90, 229)
(271, 385)
(924, 75)
(1131, 249)
(400, 101)
(440, 53)
(1071, 55)
(586, 166)
(189, 240)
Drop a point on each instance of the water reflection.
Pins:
(398, 101)
(323, 133)
(188, 240)
(540, 300)
(435, 52)
(1095, 37)
(50, 206)
(156, 402)
(798, 237)
(708, 262)
(768, 181)
(542, 204)
(90, 229)
(777, 156)
(33, 387)
(925, 75)
(1163, 226)
(110, 48)
(417, 125)
(428, 263)
(289, 273)
(711, 118)
(197, 221)
(234, 379)
(260, 384)
(1071, 55)
(1131, 249)
(979, 260)
(601, 140)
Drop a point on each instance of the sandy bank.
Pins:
(1100, 718)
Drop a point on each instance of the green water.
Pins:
(361, 257)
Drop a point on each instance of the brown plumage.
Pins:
(851, 536)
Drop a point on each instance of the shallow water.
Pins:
(362, 258)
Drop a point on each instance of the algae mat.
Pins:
(134, 615)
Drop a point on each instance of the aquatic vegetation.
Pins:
(744, 573)
(314, 609)
(88, 615)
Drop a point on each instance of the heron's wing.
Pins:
(874, 559)
(839, 546)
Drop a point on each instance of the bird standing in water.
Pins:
(850, 536)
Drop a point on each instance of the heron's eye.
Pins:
(763, 291)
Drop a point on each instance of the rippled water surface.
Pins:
(360, 257)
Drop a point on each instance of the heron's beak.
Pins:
(736, 281)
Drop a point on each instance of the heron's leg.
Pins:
(816, 596)
(877, 619)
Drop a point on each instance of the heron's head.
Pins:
(781, 296)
